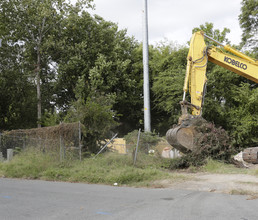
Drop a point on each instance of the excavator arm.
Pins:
(182, 136)
(197, 59)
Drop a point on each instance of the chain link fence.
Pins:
(63, 140)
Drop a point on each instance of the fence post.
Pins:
(0, 141)
(80, 146)
(61, 146)
(63, 142)
(23, 143)
(44, 147)
(1, 157)
(1, 149)
(135, 154)
(62, 150)
(9, 154)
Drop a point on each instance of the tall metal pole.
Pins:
(146, 90)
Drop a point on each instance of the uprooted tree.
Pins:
(210, 142)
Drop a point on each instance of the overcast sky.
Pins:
(170, 19)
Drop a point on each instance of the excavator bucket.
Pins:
(181, 138)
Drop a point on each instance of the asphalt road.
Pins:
(34, 199)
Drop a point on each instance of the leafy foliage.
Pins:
(29, 25)
(96, 116)
(213, 142)
(17, 93)
(167, 85)
(248, 20)
(216, 34)
(243, 116)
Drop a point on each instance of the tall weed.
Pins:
(108, 168)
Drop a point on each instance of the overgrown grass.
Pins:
(213, 166)
(108, 168)
(28, 164)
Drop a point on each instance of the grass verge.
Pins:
(108, 168)
(213, 166)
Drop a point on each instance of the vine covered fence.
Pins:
(64, 139)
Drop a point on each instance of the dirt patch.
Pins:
(241, 184)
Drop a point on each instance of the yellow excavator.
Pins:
(182, 136)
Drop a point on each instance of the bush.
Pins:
(213, 142)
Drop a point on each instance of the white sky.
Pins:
(172, 20)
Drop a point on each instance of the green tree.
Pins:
(96, 50)
(248, 20)
(30, 22)
(230, 102)
(17, 89)
(219, 95)
(216, 34)
(243, 117)
(95, 112)
(168, 86)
